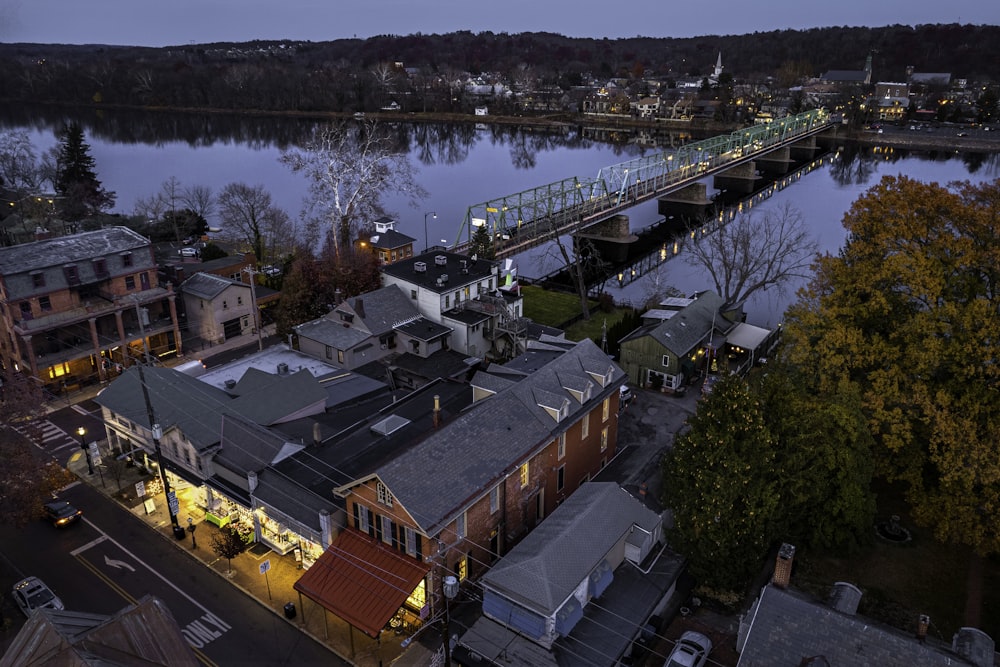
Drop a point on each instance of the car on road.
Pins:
(32, 594)
(691, 650)
(61, 513)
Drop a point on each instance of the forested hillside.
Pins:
(346, 75)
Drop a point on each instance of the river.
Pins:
(461, 166)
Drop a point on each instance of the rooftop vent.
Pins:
(420, 267)
(440, 260)
(230, 383)
(845, 597)
(282, 368)
(443, 279)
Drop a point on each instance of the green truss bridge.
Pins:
(528, 219)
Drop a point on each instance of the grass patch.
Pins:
(592, 328)
(901, 581)
(549, 307)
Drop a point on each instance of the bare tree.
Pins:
(20, 170)
(350, 167)
(581, 261)
(198, 199)
(754, 252)
(384, 74)
(249, 212)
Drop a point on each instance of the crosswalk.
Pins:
(47, 436)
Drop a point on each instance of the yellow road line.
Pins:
(205, 660)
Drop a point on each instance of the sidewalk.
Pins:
(272, 590)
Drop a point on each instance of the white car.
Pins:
(691, 650)
(188, 252)
(31, 595)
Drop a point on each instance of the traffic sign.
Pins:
(265, 566)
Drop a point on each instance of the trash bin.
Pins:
(290, 610)
(179, 532)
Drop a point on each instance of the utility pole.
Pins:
(252, 272)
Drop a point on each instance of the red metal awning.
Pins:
(361, 580)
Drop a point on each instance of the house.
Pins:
(686, 337)
(459, 498)
(218, 308)
(386, 243)
(786, 627)
(463, 293)
(371, 327)
(891, 101)
(143, 633)
(77, 309)
(580, 586)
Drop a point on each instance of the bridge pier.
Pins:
(611, 237)
(688, 203)
(805, 150)
(778, 161)
(740, 179)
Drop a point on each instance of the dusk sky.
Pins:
(176, 22)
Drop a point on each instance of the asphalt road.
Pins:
(111, 558)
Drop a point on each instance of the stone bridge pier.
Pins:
(610, 236)
(740, 179)
(688, 204)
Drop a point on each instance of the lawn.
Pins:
(901, 581)
(592, 328)
(550, 307)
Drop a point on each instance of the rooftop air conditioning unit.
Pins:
(282, 368)
(420, 267)
(443, 278)
(440, 260)
(230, 383)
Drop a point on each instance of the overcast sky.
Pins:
(174, 22)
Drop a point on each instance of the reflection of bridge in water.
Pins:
(528, 219)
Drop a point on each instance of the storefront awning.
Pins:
(362, 581)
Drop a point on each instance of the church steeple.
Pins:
(718, 67)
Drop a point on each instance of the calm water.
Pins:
(482, 165)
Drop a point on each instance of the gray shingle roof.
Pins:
(209, 285)
(334, 334)
(785, 626)
(68, 249)
(684, 331)
(544, 569)
(380, 310)
(456, 464)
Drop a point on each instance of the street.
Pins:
(111, 558)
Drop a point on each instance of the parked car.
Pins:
(625, 396)
(188, 252)
(32, 594)
(61, 513)
(691, 650)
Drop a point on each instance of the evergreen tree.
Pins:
(481, 245)
(81, 194)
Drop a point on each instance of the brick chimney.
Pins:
(783, 566)
(923, 623)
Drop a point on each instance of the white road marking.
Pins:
(92, 543)
(117, 564)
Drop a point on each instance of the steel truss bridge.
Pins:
(530, 218)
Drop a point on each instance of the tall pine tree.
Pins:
(81, 194)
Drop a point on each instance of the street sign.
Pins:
(140, 489)
(172, 502)
(265, 566)
(95, 454)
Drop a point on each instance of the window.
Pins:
(604, 438)
(384, 496)
(606, 409)
(386, 529)
(561, 448)
(585, 426)
(44, 303)
(411, 541)
(100, 268)
(340, 356)
(447, 301)
(524, 474)
(666, 361)
(225, 304)
(26, 309)
(413, 294)
(328, 351)
(38, 279)
(461, 529)
(462, 568)
(129, 282)
(362, 518)
(239, 301)
(494, 499)
(561, 478)
(71, 273)
(127, 259)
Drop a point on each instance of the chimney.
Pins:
(783, 566)
(338, 297)
(252, 480)
(923, 623)
(359, 307)
(437, 410)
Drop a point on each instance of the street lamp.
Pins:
(191, 529)
(82, 432)
(426, 243)
(450, 588)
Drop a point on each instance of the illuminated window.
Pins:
(524, 474)
(462, 568)
(604, 438)
(606, 409)
(418, 598)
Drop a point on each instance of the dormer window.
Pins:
(37, 279)
(101, 268)
(346, 317)
(126, 259)
(72, 274)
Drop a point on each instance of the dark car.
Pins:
(61, 513)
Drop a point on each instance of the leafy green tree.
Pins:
(719, 482)
(906, 317)
(228, 544)
(81, 194)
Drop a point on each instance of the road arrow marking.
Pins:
(117, 563)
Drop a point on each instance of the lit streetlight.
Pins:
(426, 242)
(191, 529)
(450, 588)
(82, 432)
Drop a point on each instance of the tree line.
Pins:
(420, 72)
